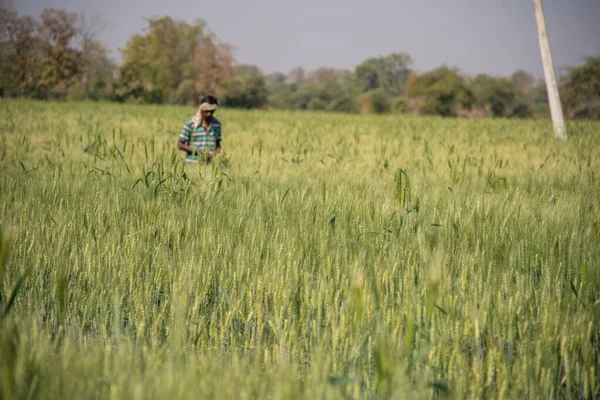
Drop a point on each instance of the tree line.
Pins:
(56, 56)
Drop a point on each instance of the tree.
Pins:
(504, 97)
(367, 75)
(501, 97)
(379, 101)
(7, 19)
(325, 90)
(43, 58)
(344, 104)
(296, 75)
(581, 89)
(177, 61)
(53, 56)
(442, 91)
(275, 78)
(97, 73)
(279, 91)
(130, 84)
(97, 68)
(213, 68)
(248, 88)
(539, 93)
(61, 63)
(19, 53)
(322, 89)
(390, 73)
(165, 51)
(325, 75)
(523, 81)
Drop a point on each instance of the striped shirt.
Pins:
(200, 138)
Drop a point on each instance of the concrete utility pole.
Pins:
(553, 97)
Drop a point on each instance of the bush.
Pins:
(344, 105)
(439, 103)
(588, 111)
(400, 106)
(77, 92)
(522, 110)
(184, 94)
(317, 105)
(379, 101)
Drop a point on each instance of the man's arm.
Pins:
(185, 147)
(218, 134)
(184, 138)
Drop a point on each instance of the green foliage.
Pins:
(299, 266)
(60, 61)
(522, 81)
(97, 77)
(506, 97)
(345, 104)
(184, 94)
(164, 55)
(400, 105)
(580, 89)
(130, 85)
(42, 58)
(442, 92)
(55, 56)
(589, 110)
(248, 89)
(38, 57)
(379, 101)
(316, 104)
(501, 98)
(389, 73)
(322, 90)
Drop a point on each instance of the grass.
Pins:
(323, 256)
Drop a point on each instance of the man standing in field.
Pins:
(200, 137)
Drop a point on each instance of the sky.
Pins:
(495, 37)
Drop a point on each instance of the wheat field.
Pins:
(322, 256)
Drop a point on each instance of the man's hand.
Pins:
(186, 148)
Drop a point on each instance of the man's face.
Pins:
(207, 115)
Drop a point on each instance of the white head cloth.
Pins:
(203, 107)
